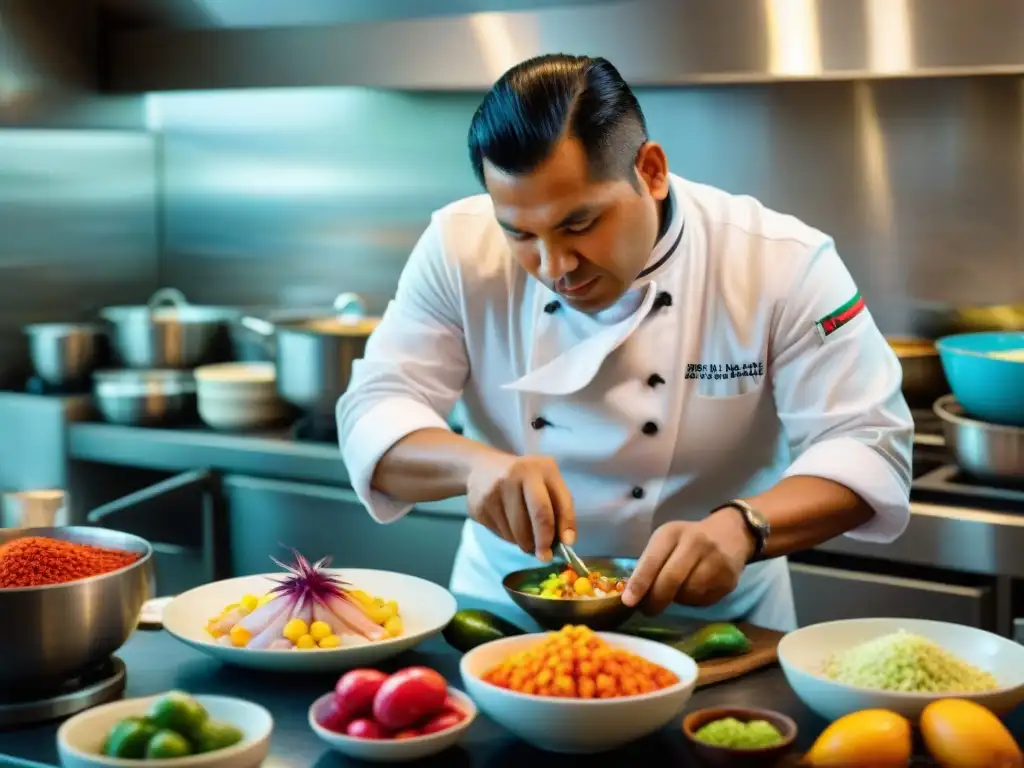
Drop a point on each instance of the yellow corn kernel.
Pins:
(319, 630)
(229, 609)
(240, 636)
(393, 626)
(583, 586)
(267, 598)
(295, 629)
(331, 641)
(305, 643)
(249, 603)
(386, 610)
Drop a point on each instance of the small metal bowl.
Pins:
(727, 757)
(599, 613)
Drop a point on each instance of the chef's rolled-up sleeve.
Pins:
(837, 388)
(412, 373)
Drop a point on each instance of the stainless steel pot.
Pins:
(72, 627)
(145, 398)
(923, 378)
(989, 452)
(64, 353)
(169, 332)
(314, 355)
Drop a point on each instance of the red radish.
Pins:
(408, 733)
(409, 696)
(364, 728)
(331, 716)
(355, 691)
(442, 722)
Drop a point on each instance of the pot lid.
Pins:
(337, 326)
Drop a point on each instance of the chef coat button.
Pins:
(551, 307)
(638, 492)
(654, 380)
(650, 428)
(540, 422)
(663, 299)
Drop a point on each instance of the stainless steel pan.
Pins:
(65, 353)
(145, 398)
(314, 355)
(168, 332)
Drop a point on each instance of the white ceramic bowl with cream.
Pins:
(239, 396)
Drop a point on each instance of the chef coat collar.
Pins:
(669, 242)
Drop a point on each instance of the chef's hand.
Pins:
(690, 563)
(523, 499)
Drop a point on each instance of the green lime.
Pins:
(129, 738)
(215, 735)
(176, 711)
(165, 744)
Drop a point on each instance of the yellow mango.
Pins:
(963, 734)
(874, 737)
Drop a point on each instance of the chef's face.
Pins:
(585, 239)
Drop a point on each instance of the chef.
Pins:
(649, 367)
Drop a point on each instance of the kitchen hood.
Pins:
(445, 45)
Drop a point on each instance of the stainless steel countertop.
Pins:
(954, 538)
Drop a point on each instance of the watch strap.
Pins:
(756, 523)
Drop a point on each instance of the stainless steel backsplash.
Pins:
(291, 196)
(77, 179)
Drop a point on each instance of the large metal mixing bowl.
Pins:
(599, 613)
(990, 452)
(55, 632)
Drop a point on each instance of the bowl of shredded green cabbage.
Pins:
(900, 664)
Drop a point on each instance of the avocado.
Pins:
(471, 628)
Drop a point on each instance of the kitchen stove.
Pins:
(951, 486)
(104, 682)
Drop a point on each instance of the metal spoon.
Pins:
(570, 556)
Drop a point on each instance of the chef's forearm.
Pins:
(428, 465)
(803, 511)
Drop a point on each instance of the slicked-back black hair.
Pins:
(540, 100)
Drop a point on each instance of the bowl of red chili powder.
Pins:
(79, 589)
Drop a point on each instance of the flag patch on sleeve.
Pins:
(840, 316)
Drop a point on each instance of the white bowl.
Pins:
(232, 412)
(80, 739)
(804, 652)
(390, 750)
(579, 726)
(425, 608)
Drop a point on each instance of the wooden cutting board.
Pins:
(764, 650)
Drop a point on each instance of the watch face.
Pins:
(758, 520)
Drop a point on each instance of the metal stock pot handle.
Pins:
(350, 306)
(167, 296)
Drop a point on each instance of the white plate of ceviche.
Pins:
(309, 618)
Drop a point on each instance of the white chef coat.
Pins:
(738, 358)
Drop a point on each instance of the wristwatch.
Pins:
(757, 524)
